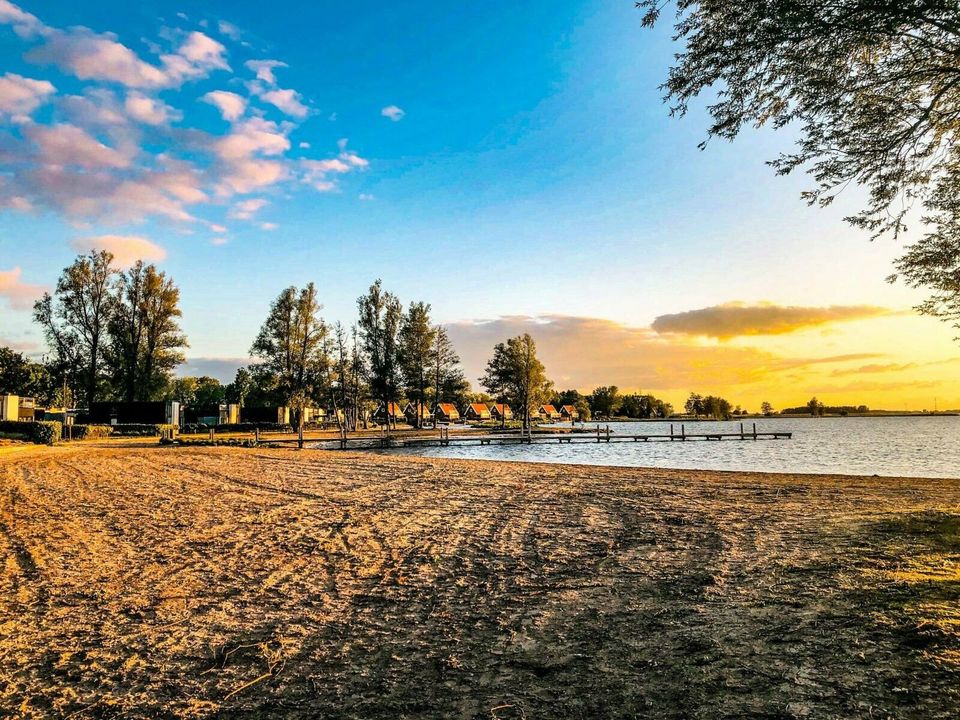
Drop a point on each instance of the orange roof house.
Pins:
(477, 411)
(549, 412)
(569, 412)
(446, 412)
(500, 411)
(393, 413)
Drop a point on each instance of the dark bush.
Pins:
(44, 432)
(140, 430)
(89, 432)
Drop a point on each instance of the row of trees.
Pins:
(111, 333)
(390, 354)
(116, 335)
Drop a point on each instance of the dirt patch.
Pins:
(181, 583)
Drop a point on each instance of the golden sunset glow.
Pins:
(882, 358)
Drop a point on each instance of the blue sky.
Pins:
(498, 160)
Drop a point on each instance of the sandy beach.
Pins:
(217, 582)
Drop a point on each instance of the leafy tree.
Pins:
(380, 317)
(146, 341)
(75, 319)
(766, 408)
(605, 401)
(449, 383)
(293, 350)
(23, 377)
(515, 376)
(872, 87)
(417, 338)
(241, 387)
(209, 391)
(184, 391)
(815, 407)
(694, 405)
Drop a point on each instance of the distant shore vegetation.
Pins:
(114, 335)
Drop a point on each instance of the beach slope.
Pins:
(193, 583)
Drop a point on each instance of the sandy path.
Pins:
(274, 583)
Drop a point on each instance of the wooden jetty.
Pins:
(602, 435)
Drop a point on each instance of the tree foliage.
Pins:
(24, 377)
(75, 318)
(417, 339)
(292, 346)
(146, 343)
(515, 376)
(380, 317)
(873, 86)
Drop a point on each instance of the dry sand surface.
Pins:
(215, 582)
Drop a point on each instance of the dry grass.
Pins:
(178, 583)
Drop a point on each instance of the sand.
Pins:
(218, 582)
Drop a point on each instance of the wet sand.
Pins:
(218, 582)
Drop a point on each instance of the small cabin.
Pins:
(389, 413)
(476, 412)
(500, 411)
(413, 410)
(17, 409)
(278, 414)
(135, 413)
(548, 412)
(569, 412)
(446, 412)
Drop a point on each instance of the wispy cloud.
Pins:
(230, 105)
(393, 112)
(18, 294)
(739, 319)
(126, 249)
(263, 69)
(20, 96)
(118, 153)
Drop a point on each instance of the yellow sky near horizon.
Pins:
(884, 359)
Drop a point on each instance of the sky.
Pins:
(512, 164)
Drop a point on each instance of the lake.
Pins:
(893, 446)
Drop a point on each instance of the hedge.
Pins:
(43, 432)
(89, 432)
(139, 430)
(201, 429)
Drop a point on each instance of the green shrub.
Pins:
(139, 430)
(89, 432)
(42, 432)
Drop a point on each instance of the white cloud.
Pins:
(229, 29)
(219, 241)
(264, 69)
(230, 105)
(393, 112)
(316, 173)
(99, 56)
(19, 295)
(148, 110)
(289, 101)
(68, 145)
(24, 24)
(365, 196)
(21, 96)
(246, 209)
(255, 135)
(268, 226)
(126, 249)
(204, 52)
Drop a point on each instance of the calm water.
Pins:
(905, 446)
